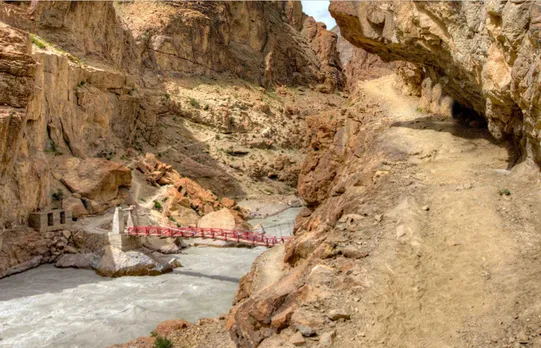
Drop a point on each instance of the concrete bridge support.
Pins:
(118, 237)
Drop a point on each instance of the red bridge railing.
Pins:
(239, 236)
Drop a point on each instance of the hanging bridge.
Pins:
(246, 237)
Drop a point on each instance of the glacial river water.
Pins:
(50, 307)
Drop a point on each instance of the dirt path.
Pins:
(458, 264)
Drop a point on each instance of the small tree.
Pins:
(58, 196)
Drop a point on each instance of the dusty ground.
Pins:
(462, 271)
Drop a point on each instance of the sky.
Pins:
(319, 9)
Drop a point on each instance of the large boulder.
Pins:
(95, 179)
(162, 245)
(117, 263)
(222, 218)
(81, 261)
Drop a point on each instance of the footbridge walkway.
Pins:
(254, 238)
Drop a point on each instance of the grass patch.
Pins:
(162, 342)
(39, 42)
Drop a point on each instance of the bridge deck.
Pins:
(239, 236)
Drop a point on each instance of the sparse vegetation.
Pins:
(58, 196)
(158, 206)
(53, 149)
(194, 103)
(420, 109)
(165, 199)
(162, 342)
(39, 42)
(172, 218)
(505, 192)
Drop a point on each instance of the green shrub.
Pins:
(158, 206)
(162, 342)
(194, 103)
(58, 195)
(505, 192)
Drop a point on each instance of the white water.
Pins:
(50, 307)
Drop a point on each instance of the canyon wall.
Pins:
(90, 81)
(358, 64)
(485, 55)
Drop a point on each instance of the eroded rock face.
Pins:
(359, 65)
(22, 249)
(484, 54)
(96, 180)
(324, 42)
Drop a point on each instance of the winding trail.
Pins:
(458, 264)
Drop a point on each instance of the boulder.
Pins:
(96, 180)
(162, 245)
(219, 219)
(168, 327)
(116, 263)
(81, 261)
(75, 205)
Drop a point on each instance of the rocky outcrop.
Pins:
(186, 200)
(324, 158)
(80, 261)
(22, 248)
(484, 54)
(324, 42)
(96, 181)
(282, 296)
(359, 65)
(117, 263)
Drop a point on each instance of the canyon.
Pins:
(407, 139)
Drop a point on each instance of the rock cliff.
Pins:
(84, 86)
(485, 55)
(358, 64)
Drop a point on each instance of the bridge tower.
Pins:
(118, 237)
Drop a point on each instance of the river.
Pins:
(51, 307)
